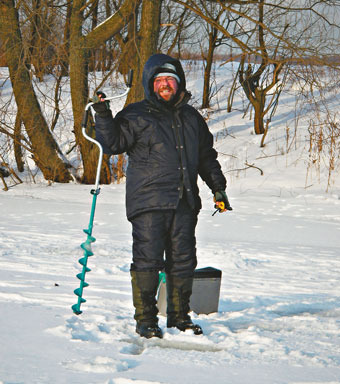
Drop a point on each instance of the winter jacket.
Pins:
(168, 144)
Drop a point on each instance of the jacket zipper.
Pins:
(179, 147)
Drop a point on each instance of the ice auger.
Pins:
(86, 246)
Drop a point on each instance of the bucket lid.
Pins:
(207, 272)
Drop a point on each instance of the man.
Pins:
(169, 145)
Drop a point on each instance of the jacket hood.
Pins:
(152, 67)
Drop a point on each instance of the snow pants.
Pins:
(165, 232)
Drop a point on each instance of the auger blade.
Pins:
(79, 293)
(89, 236)
(87, 248)
(81, 276)
(76, 310)
(83, 262)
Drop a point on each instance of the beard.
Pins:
(166, 93)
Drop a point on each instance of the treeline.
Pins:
(270, 41)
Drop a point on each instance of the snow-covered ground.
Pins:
(279, 252)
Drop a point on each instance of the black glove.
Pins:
(221, 202)
(101, 106)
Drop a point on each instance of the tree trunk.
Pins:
(35, 58)
(258, 118)
(17, 143)
(43, 144)
(232, 91)
(128, 45)
(148, 39)
(65, 47)
(207, 69)
(95, 53)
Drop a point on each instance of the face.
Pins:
(165, 87)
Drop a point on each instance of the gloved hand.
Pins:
(101, 106)
(221, 202)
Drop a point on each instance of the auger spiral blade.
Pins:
(90, 238)
(81, 276)
(79, 292)
(76, 309)
(86, 247)
(83, 262)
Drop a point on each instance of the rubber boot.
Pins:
(179, 291)
(144, 290)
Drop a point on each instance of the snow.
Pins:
(279, 310)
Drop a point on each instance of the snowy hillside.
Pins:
(279, 311)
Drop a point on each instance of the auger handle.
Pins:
(100, 158)
(128, 86)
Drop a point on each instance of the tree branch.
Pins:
(112, 25)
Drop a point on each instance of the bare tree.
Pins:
(178, 30)
(272, 35)
(258, 80)
(215, 40)
(44, 147)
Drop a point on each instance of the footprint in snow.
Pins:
(190, 342)
(101, 364)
